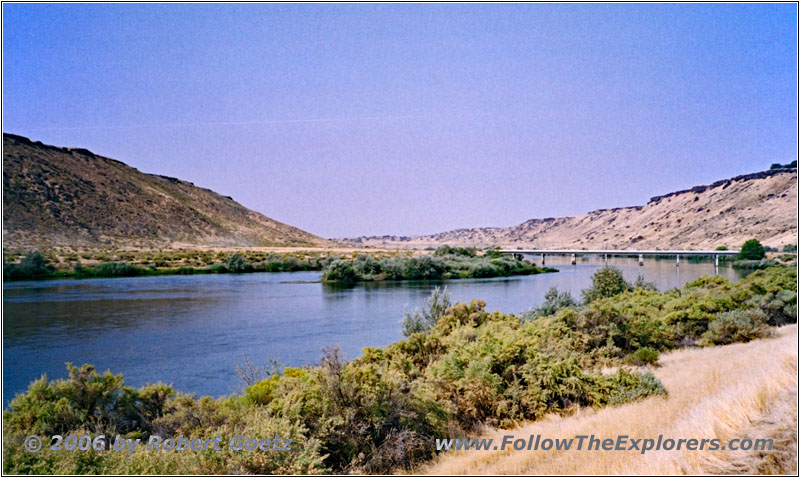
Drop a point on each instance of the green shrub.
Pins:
(643, 356)
(737, 326)
(236, 263)
(116, 269)
(427, 318)
(340, 272)
(553, 301)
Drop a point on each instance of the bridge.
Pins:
(611, 252)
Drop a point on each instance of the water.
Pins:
(192, 331)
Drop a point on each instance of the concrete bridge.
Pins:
(611, 252)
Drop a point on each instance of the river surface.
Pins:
(192, 331)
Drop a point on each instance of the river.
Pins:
(192, 331)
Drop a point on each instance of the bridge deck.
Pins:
(620, 252)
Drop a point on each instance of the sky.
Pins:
(367, 119)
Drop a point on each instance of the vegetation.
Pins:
(751, 250)
(427, 318)
(745, 392)
(792, 165)
(607, 282)
(32, 266)
(382, 411)
(127, 264)
(446, 263)
(553, 301)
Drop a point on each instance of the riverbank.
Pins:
(384, 409)
(717, 392)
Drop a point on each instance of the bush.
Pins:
(643, 356)
(736, 326)
(607, 282)
(116, 269)
(458, 251)
(237, 264)
(340, 272)
(779, 307)
(790, 248)
(553, 301)
(751, 250)
(32, 266)
(427, 318)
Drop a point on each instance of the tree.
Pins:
(751, 250)
(607, 282)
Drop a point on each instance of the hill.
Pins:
(728, 212)
(55, 196)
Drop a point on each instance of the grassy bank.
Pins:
(59, 265)
(445, 263)
(463, 370)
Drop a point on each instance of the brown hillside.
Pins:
(728, 212)
(72, 197)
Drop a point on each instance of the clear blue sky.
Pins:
(404, 119)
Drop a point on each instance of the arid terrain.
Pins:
(55, 196)
(719, 392)
(726, 213)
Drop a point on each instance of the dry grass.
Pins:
(735, 391)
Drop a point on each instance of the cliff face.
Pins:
(72, 197)
(728, 212)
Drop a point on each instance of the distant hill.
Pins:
(728, 212)
(56, 196)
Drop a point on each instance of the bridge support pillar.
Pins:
(573, 260)
(716, 261)
(542, 258)
(606, 259)
(641, 259)
(677, 260)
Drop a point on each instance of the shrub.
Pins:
(779, 307)
(751, 250)
(33, 265)
(790, 248)
(236, 263)
(607, 282)
(427, 318)
(736, 326)
(340, 272)
(458, 251)
(116, 269)
(553, 300)
(643, 356)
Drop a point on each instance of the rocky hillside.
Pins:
(728, 212)
(72, 197)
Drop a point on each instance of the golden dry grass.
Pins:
(734, 391)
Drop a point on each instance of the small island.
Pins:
(445, 263)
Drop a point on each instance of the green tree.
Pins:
(33, 264)
(607, 282)
(752, 250)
